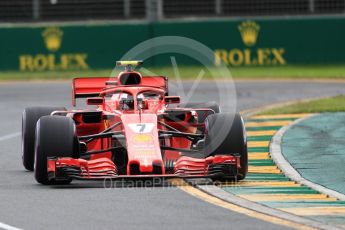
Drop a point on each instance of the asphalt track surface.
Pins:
(87, 205)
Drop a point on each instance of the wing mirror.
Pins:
(95, 101)
(172, 99)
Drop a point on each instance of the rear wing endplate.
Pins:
(87, 87)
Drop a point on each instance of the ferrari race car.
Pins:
(132, 129)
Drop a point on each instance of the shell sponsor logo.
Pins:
(143, 138)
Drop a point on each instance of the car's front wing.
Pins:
(220, 166)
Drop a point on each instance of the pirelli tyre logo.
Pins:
(252, 55)
(52, 59)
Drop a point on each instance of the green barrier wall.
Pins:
(235, 42)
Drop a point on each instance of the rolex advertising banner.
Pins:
(267, 42)
(254, 42)
(46, 48)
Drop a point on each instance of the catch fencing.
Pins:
(155, 10)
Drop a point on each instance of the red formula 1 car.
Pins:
(133, 129)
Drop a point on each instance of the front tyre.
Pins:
(29, 119)
(55, 137)
(229, 140)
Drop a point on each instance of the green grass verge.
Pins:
(52, 75)
(276, 72)
(291, 72)
(334, 104)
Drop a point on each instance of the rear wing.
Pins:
(93, 86)
(87, 87)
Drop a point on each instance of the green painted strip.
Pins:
(258, 149)
(266, 177)
(280, 187)
(294, 204)
(266, 162)
(263, 128)
(271, 119)
(259, 138)
(271, 190)
(287, 190)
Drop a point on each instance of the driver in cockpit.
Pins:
(126, 100)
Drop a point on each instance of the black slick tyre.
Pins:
(221, 139)
(55, 137)
(30, 117)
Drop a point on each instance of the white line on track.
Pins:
(8, 227)
(9, 136)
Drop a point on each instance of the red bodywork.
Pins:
(148, 139)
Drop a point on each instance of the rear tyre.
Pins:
(29, 119)
(202, 115)
(55, 137)
(220, 141)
